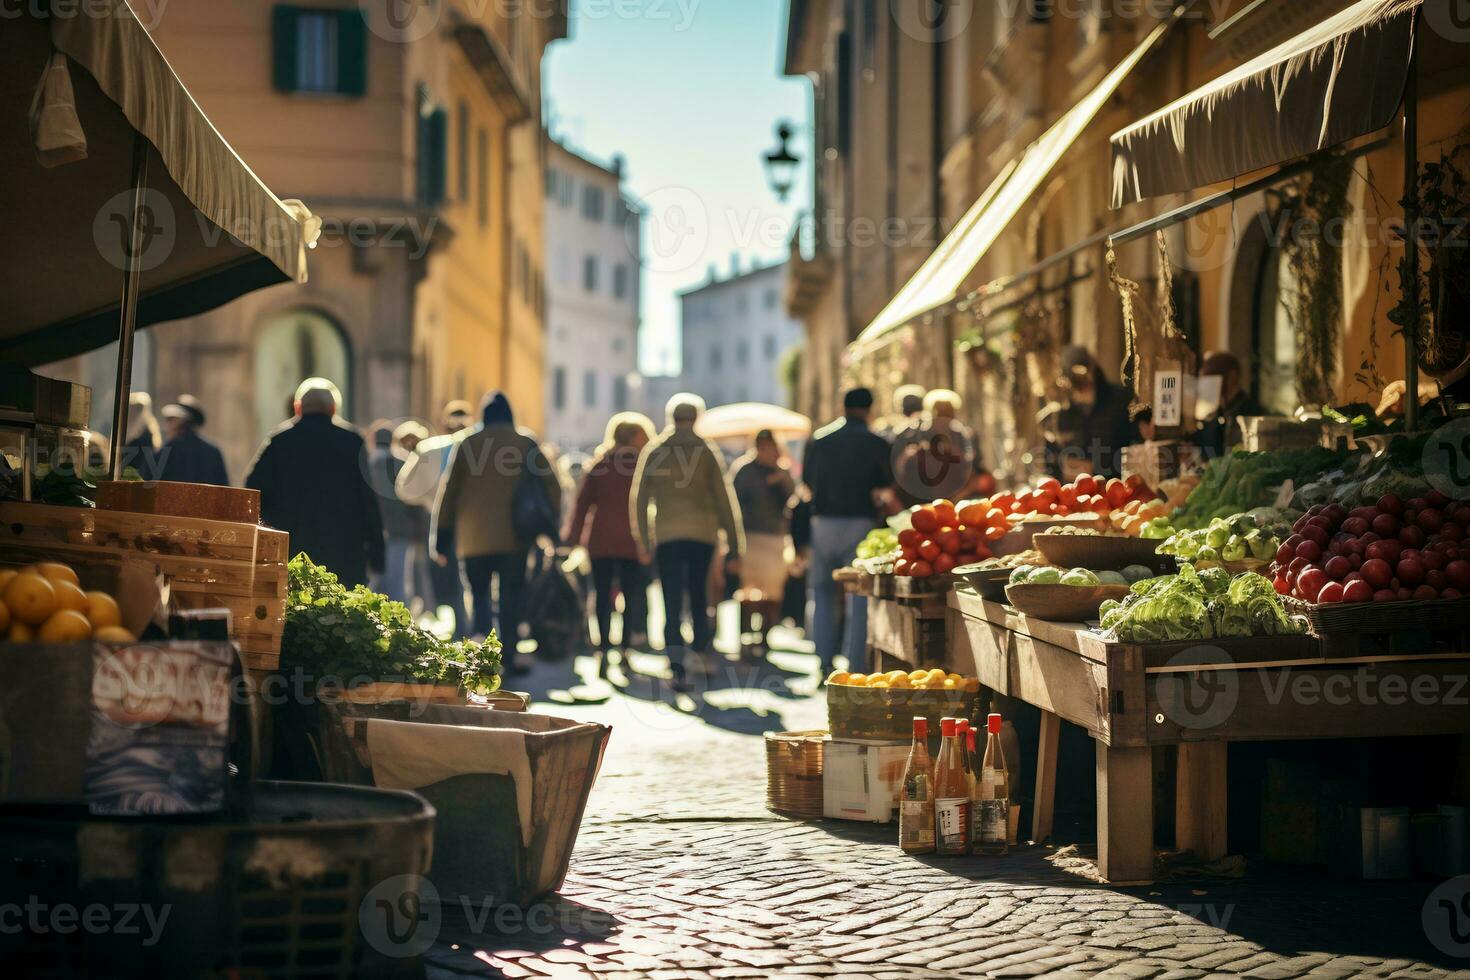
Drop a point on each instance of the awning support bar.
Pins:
(128, 313)
(1411, 242)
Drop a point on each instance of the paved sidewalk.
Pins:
(680, 872)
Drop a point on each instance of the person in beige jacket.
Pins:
(473, 516)
(682, 477)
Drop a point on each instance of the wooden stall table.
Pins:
(906, 627)
(1196, 695)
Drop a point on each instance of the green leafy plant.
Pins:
(356, 634)
(1442, 292)
(1314, 254)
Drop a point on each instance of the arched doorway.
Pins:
(1261, 286)
(292, 346)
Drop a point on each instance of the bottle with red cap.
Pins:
(966, 734)
(993, 809)
(916, 802)
(951, 794)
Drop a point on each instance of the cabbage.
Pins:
(1020, 574)
(1215, 581)
(1111, 578)
(1046, 575)
(1079, 576)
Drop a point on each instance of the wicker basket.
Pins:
(1436, 615)
(794, 773)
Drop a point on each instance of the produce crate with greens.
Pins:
(1199, 606)
(355, 635)
(1241, 481)
(1239, 537)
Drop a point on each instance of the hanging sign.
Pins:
(1168, 401)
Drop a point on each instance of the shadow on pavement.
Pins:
(480, 941)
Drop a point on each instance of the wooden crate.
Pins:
(889, 713)
(909, 630)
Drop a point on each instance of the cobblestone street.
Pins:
(680, 871)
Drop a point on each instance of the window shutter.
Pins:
(433, 156)
(352, 48)
(284, 47)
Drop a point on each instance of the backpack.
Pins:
(556, 614)
(531, 511)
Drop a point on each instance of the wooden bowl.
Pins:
(1097, 551)
(1062, 603)
(990, 583)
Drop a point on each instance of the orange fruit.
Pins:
(20, 633)
(113, 634)
(65, 626)
(31, 599)
(837, 677)
(57, 572)
(6, 574)
(102, 610)
(69, 596)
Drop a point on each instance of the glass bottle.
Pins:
(916, 802)
(951, 794)
(993, 813)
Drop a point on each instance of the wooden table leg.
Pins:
(1125, 814)
(1046, 777)
(1199, 800)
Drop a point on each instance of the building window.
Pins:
(482, 145)
(620, 393)
(462, 145)
(620, 281)
(742, 352)
(589, 389)
(592, 203)
(564, 188)
(559, 388)
(322, 52)
(771, 299)
(551, 183)
(433, 146)
(770, 346)
(589, 274)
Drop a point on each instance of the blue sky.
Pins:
(689, 92)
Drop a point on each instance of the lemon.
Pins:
(857, 680)
(102, 610)
(950, 684)
(57, 572)
(113, 634)
(838, 677)
(20, 633)
(957, 678)
(31, 599)
(901, 681)
(894, 675)
(69, 596)
(65, 626)
(918, 676)
(936, 675)
(878, 684)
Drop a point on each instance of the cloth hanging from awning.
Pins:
(1341, 79)
(939, 279)
(212, 230)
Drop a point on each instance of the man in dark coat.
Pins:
(188, 457)
(312, 478)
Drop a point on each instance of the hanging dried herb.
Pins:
(1442, 291)
(1313, 252)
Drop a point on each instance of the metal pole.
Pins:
(128, 313)
(1411, 242)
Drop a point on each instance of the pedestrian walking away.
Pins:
(405, 525)
(845, 468)
(682, 477)
(188, 457)
(418, 485)
(763, 486)
(312, 478)
(475, 517)
(600, 523)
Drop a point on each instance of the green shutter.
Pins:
(352, 49)
(433, 157)
(284, 48)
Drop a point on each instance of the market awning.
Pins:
(939, 279)
(745, 419)
(213, 230)
(1341, 79)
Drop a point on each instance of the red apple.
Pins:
(1425, 592)
(1435, 579)
(1458, 573)
(1355, 526)
(1359, 591)
(1450, 593)
(1377, 572)
(1385, 595)
(1386, 525)
(1430, 520)
(1331, 592)
(1390, 504)
(1310, 582)
(1308, 549)
(1412, 536)
(1337, 568)
(1411, 571)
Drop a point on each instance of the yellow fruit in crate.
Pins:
(972, 685)
(950, 684)
(20, 633)
(883, 684)
(65, 626)
(957, 678)
(57, 572)
(857, 680)
(894, 675)
(113, 634)
(918, 676)
(69, 596)
(31, 599)
(837, 677)
(6, 574)
(102, 610)
(936, 675)
(901, 681)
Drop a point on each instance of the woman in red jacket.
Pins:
(600, 522)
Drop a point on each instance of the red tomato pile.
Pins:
(943, 538)
(1086, 494)
(1392, 551)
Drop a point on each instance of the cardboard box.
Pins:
(862, 779)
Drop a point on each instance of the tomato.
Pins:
(921, 569)
(944, 564)
(948, 540)
(983, 552)
(944, 510)
(925, 520)
(928, 551)
(910, 554)
(995, 532)
(901, 567)
(970, 538)
(909, 538)
(974, 514)
(995, 517)
(1004, 502)
(1067, 496)
(1116, 493)
(1086, 485)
